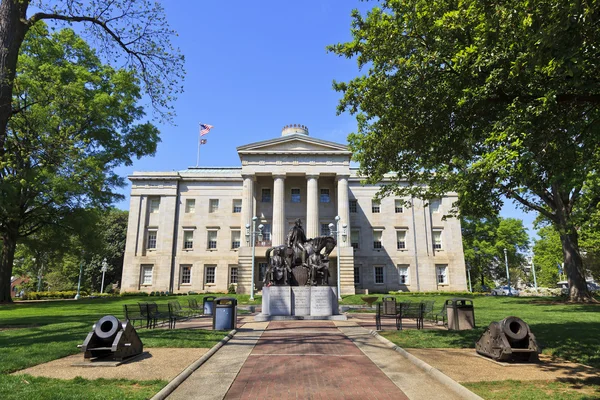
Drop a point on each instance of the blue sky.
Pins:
(253, 67)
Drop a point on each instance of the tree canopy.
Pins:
(77, 120)
(492, 101)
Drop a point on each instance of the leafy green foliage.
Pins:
(547, 256)
(78, 119)
(488, 100)
(484, 241)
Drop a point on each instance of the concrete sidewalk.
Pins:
(308, 360)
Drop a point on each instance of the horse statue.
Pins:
(307, 264)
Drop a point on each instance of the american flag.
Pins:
(202, 141)
(205, 128)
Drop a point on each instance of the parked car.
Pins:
(505, 291)
(564, 287)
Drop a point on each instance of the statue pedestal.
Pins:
(299, 302)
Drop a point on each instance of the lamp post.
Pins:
(507, 274)
(252, 235)
(469, 274)
(103, 269)
(337, 232)
(78, 295)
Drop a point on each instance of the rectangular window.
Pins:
(233, 275)
(324, 196)
(379, 278)
(354, 239)
(353, 206)
(434, 205)
(188, 240)
(266, 232)
(442, 274)
(262, 271)
(437, 239)
(398, 206)
(325, 230)
(210, 274)
(237, 206)
(266, 196)
(154, 205)
(186, 274)
(190, 206)
(401, 240)
(295, 195)
(375, 207)
(357, 275)
(403, 274)
(151, 242)
(213, 205)
(212, 239)
(377, 239)
(147, 274)
(235, 239)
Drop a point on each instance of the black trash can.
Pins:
(461, 314)
(207, 304)
(225, 314)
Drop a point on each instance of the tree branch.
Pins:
(533, 206)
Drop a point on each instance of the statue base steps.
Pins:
(284, 303)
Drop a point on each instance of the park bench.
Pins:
(195, 308)
(177, 313)
(132, 314)
(154, 313)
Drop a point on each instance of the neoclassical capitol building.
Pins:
(188, 229)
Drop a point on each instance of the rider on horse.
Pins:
(296, 239)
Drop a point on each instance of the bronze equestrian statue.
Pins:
(300, 261)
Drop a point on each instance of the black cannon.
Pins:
(508, 340)
(111, 340)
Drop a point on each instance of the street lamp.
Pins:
(507, 275)
(103, 269)
(469, 274)
(344, 234)
(252, 235)
(78, 295)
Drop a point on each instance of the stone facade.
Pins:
(187, 230)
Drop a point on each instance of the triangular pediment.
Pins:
(293, 144)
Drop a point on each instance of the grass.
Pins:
(569, 331)
(32, 333)
(536, 390)
(30, 387)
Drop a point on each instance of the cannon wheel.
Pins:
(106, 326)
(515, 328)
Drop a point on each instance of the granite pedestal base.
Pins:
(299, 303)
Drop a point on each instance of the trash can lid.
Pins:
(221, 300)
(457, 300)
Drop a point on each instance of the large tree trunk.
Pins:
(7, 256)
(13, 27)
(578, 291)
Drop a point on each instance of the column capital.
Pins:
(249, 176)
(312, 176)
(279, 175)
(342, 176)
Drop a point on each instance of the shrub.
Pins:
(68, 294)
(231, 289)
(109, 288)
(127, 294)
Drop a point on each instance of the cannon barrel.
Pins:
(508, 340)
(111, 340)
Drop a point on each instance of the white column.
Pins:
(312, 206)
(247, 201)
(343, 207)
(278, 234)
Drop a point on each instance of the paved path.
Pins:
(308, 360)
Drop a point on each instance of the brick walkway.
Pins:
(310, 360)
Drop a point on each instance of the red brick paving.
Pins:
(310, 360)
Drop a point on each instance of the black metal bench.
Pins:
(132, 314)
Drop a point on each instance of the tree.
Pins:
(492, 101)
(484, 241)
(547, 257)
(77, 120)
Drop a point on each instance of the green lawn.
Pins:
(570, 331)
(34, 333)
(536, 390)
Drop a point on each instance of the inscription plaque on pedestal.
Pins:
(280, 300)
(321, 301)
(301, 300)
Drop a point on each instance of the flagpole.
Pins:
(199, 139)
